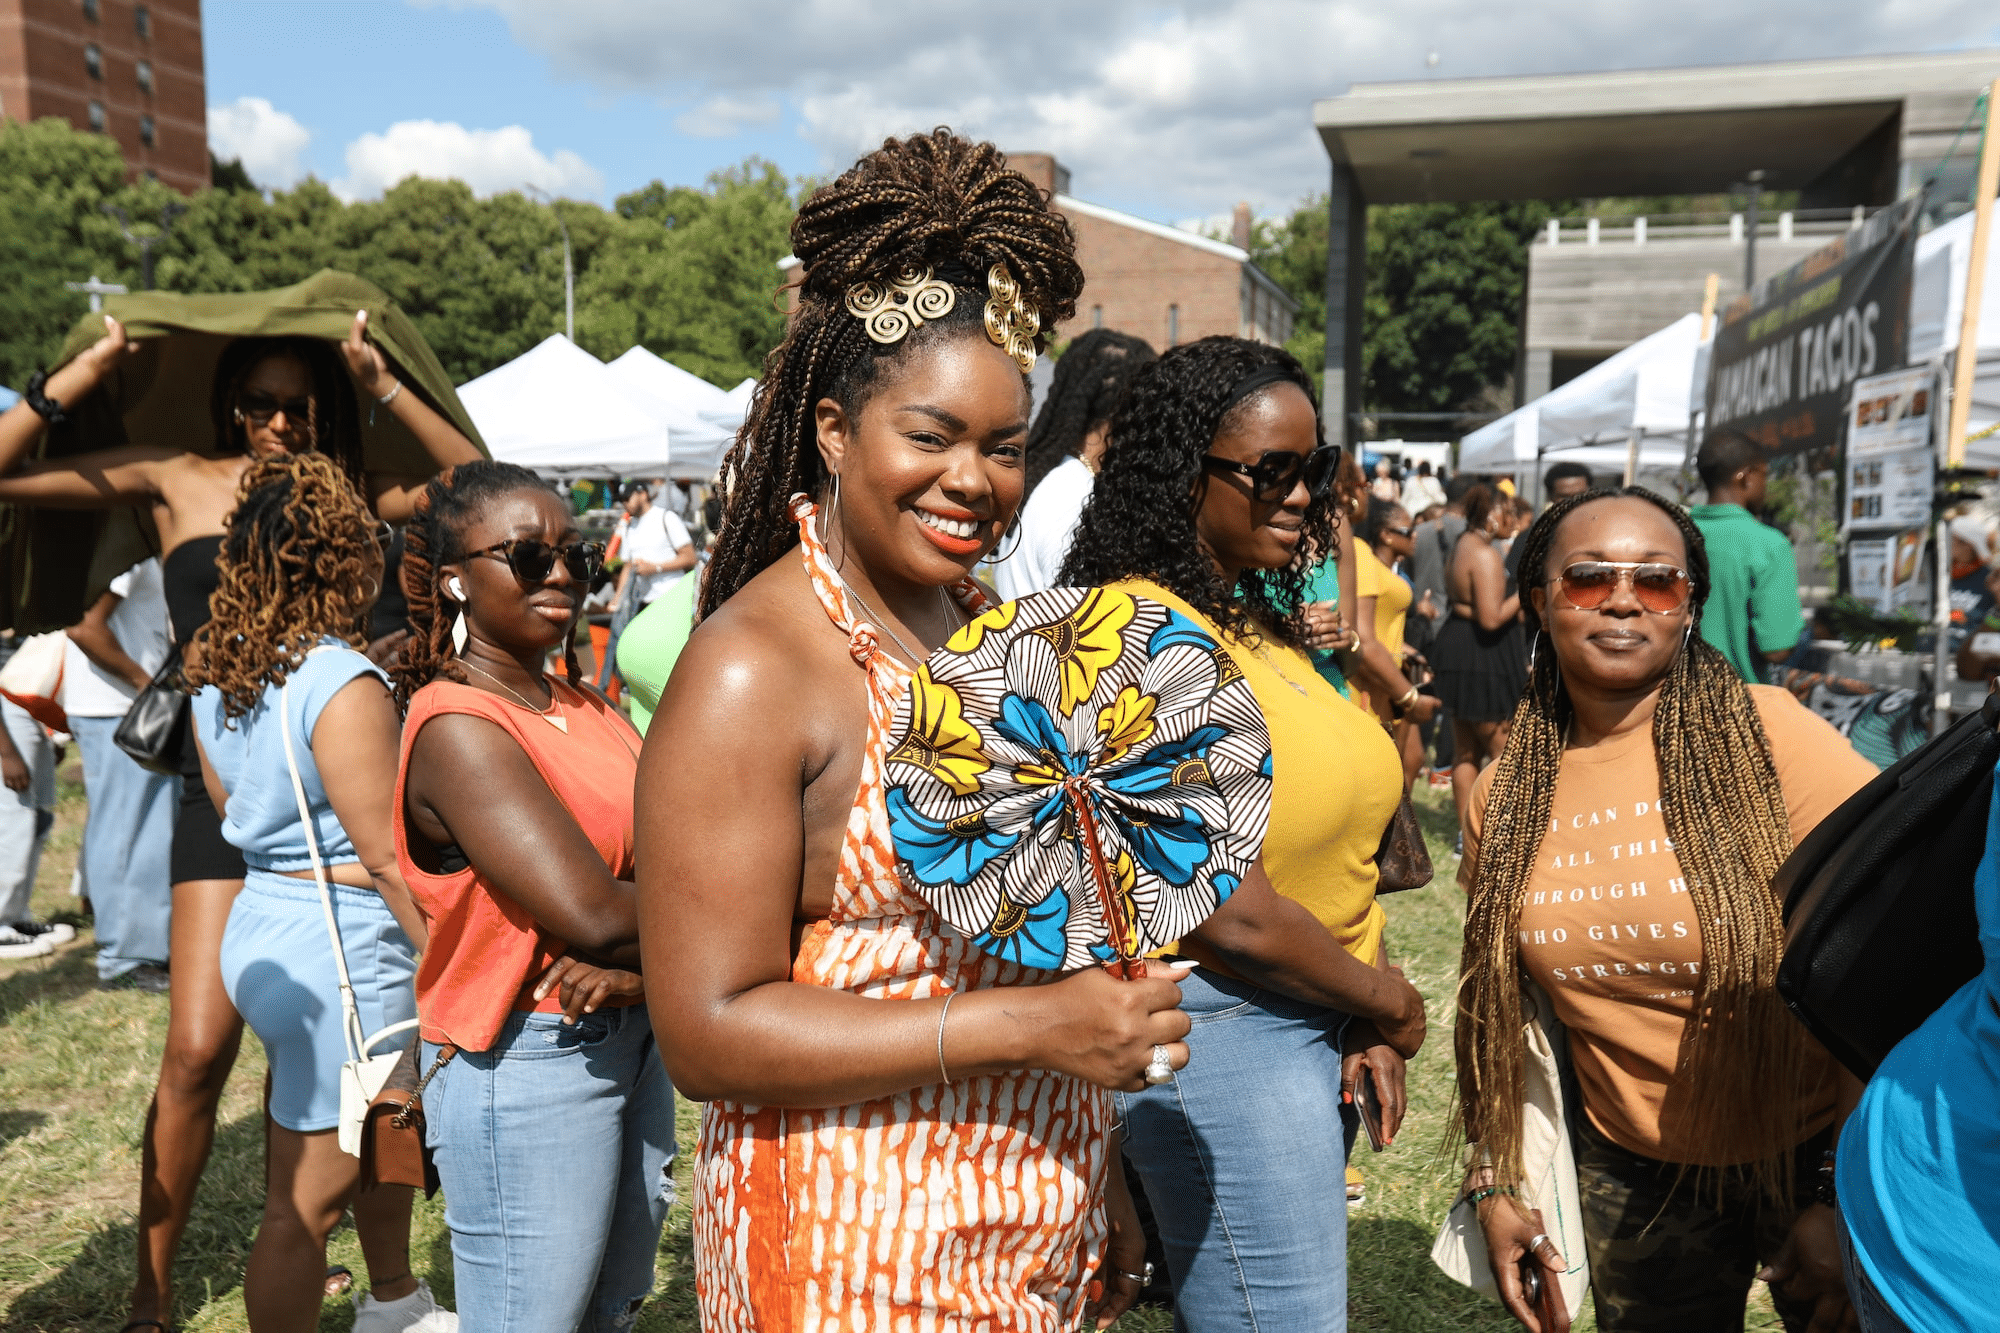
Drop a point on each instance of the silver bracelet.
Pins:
(390, 396)
(943, 1014)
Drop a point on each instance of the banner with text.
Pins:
(1787, 353)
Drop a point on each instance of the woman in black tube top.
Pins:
(270, 396)
(1479, 657)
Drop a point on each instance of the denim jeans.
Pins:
(555, 1150)
(1870, 1309)
(1244, 1160)
(26, 816)
(126, 844)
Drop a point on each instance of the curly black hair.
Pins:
(1140, 519)
(334, 424)
(932, 201)
(1091, 377)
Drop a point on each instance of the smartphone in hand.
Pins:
(1368, 1102)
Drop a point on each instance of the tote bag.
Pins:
(1548, 1170)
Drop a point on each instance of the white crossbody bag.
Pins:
(363, 1075)
(1548, 1169)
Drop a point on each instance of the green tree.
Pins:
(53, 183)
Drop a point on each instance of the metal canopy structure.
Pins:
(1841, 132)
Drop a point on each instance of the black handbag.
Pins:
(154, 729)
(1880, 925)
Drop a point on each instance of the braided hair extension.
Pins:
(1091, 377)
(1745, 1060)
(334, 423)
(435, 537)
(1140, 519)
(932, 201)
(299, 561)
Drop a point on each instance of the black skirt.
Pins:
(199, 851)
(1479, 673)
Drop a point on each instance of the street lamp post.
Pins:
(569, 271)
(146, 243)
(98, 291)
(1755, 185)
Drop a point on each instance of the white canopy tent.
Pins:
(702, 418)
(1642, 391)
(560, 411)
(1937, 308)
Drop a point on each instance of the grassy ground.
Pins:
(77, 1067)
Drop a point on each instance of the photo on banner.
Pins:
(1891, 457)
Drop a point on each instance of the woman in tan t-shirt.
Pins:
(1619, 859)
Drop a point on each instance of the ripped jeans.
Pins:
(555, 1149)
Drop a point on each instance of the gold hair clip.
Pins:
(1010, 322)
(912, 299)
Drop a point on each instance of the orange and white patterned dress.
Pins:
(956, 1208)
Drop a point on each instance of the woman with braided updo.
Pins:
(281, 682)
(1217, 492)
(550, 1114)
(1619, 858)
(865, 1162)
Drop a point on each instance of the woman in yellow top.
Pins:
(1387, 670)
(1216, 478)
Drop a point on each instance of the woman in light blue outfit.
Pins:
(300, 565)
(1918, 1168)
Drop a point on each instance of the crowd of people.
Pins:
(436, 821)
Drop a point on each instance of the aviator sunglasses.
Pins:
(533, 561)
(1274, 474)
(1658, 587)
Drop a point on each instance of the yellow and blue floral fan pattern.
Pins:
(1081, 776)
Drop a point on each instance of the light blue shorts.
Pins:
(277, 964)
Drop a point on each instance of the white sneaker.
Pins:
(13, 944)
(55, 932)
(417, 1312)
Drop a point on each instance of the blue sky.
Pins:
(1171, 109)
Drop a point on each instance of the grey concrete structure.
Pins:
(1853, 131)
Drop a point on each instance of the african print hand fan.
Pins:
(1081, 776)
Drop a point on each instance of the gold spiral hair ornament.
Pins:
(1010, 322)
(913, 298)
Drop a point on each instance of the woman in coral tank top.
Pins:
(900, 1131)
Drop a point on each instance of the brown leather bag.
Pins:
(1403, 861)
(393, 1150)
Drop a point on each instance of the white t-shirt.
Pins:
(139, 623)
(656, 536)
(1048, 525)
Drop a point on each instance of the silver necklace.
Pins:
(551, 715)
(914, 656)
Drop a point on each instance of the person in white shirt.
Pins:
(1068, 438)
(127, 840)
(658, 549)
(1421, 491)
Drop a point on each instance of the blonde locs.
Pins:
(1745, 1059)
(298, 563)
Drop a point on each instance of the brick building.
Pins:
(132, 71)
(1160, 283)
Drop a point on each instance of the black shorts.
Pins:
(200, 851)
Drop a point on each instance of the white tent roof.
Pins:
(1937, 308)
(559, 410)
(704, 419)
(1590, 420)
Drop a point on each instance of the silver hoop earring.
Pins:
(833, 504)
(1015, 529)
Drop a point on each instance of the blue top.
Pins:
(1919, 1164)
(248, 754)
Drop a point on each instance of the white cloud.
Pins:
(270, 143)
(490, 161)
(1190, 105)
(721, 117)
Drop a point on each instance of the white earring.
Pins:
(459, 633)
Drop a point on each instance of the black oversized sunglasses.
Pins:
(1273, 475)
(533, 561)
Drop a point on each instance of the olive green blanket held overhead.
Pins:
(55, 563)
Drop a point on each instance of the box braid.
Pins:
(435, 537)
(334, 423)
(1090, 380)
(1746, 1059)
(933, 201)
(298, 562)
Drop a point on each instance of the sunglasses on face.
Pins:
(1273, 476)
(1400, 532)
(261, 407)
(1659, 588)
(533, 561)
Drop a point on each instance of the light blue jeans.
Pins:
(27, 816)
(1244, 1160)
(555, 1150)
(126, 844)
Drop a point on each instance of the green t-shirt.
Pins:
(652, 643)
(1753, 598)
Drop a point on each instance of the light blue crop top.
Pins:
(248, 754)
